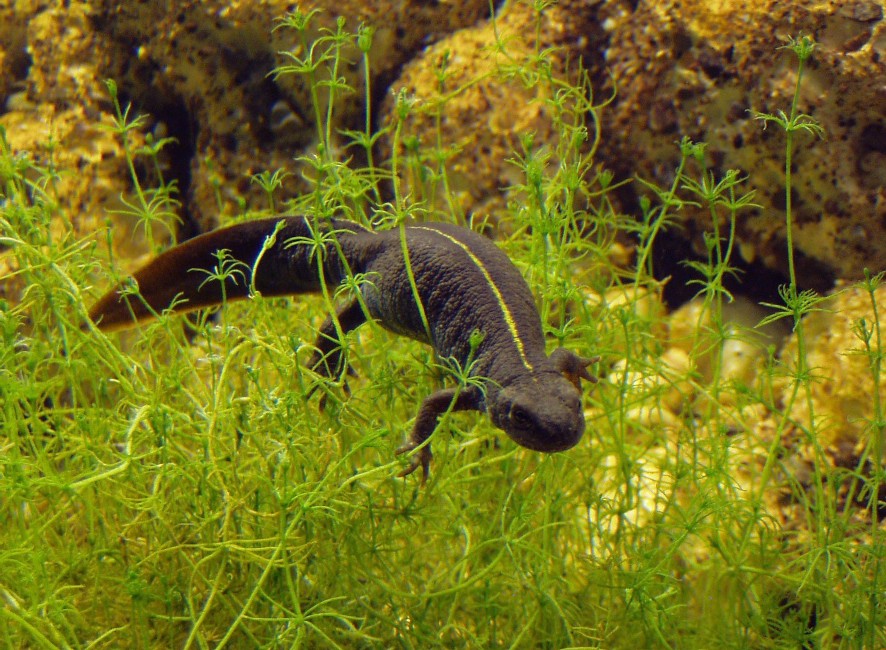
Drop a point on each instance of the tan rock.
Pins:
(200, 69)
(476, 95)
(687, 67)
(843, 385)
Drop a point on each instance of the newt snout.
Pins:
(542, 413)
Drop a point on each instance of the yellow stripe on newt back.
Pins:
(506, 311)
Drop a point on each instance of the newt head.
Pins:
(541, 411)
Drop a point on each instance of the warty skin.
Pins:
(466, 287)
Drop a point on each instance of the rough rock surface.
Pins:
(482, 107)
(201, 73)
(686, 67)
(207, 65)
(682, 67)
(57, 115)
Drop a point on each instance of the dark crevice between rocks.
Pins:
(19, 62)
(753, 280)
(138, 81)
(757, 281)
(873, 138)
(19, 65)
(169, 118)
(180, 125)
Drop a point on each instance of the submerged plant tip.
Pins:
(365, 34)
(694, 486)
(803, 46)
(298, 20)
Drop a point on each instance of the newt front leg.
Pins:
(433, 406)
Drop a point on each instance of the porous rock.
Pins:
(470, 93)
(698, 68)
(841, 341)
(201, 71)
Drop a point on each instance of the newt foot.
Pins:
(421, 458)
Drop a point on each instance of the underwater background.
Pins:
(695, 193)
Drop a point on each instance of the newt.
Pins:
(464, 284)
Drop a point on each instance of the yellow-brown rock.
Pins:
(681, 67)
(474, 96)
(201, 71)
(687, 67)
(843, 385)
(57, 117)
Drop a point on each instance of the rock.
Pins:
(681, 67)
(492, 101)
(696, 68)
(202, 72)
(842, 383)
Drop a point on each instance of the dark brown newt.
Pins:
(464, 284)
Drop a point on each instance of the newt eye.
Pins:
(520, 417)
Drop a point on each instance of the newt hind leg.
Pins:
(329, 357)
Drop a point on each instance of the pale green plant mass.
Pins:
(178, 487)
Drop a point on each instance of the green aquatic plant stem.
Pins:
(365, 35)
(186, 493)
(874, 347)
(154, 206)
(401, 227)
(269, 182)
(335, 83)
(803, 48)
(315, 57)
(796, 306)
(441, 154)
(656, 219)
(717, 196)
(403, 106)
(122, 127)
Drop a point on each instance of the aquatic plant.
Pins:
(179, 487)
